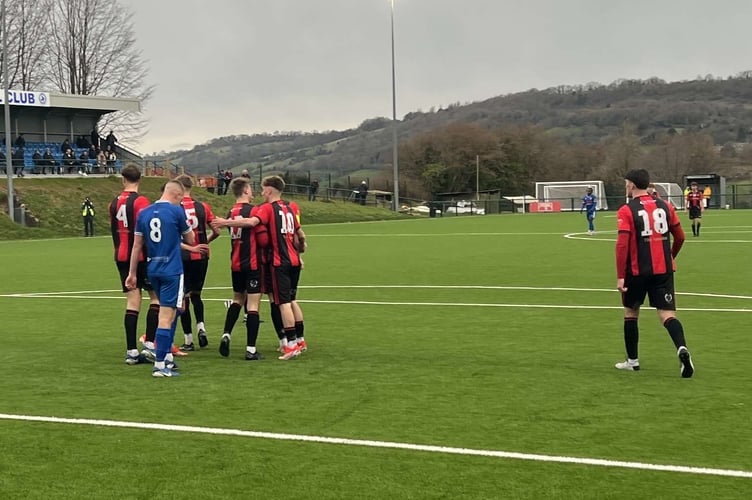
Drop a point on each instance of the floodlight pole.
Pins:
(477, 177)
(6, 106)
(395, 162)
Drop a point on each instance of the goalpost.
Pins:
(670, 192)
(570, 193)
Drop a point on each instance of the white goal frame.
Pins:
(671, 192)
(567, 191)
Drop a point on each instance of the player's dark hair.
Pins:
(274, 181)
(131, 173)
(238, 185)
(640, 177)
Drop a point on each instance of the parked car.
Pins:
(464, 207)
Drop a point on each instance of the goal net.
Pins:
(570, 193)
(670, 192)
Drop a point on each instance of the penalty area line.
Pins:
(386, 444)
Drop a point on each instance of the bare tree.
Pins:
(92, 50)
(27, 32)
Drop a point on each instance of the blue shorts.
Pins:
(169, 289)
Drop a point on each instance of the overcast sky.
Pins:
(226, 67)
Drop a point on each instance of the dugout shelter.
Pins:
(717, 185)
(46, 119)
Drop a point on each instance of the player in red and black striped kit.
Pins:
(283, 228)
(123, 213)
(645, 266)
(195, 264)
(246, 249)
(696, 206)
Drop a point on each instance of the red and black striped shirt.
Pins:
(198, 215)
(282, 224)
(694, 199)
(643, 246)
(124, 211)
(245, 242)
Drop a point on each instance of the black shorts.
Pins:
(142, 281)
(266, 278)
(194, 272)
(246, 282)
(282, 281)
(659, 288)
(695, 213)
(294, 284)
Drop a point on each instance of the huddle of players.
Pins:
(260, 264)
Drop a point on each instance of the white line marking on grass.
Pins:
(386, 444)
(418, 235)
(390, 303)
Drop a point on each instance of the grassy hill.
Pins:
(56, 203)
(577, 113)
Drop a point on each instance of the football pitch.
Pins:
(458, 357)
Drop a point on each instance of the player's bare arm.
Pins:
(241, 222)
(138, 244)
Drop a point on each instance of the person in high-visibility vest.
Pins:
(706, 194)
(87, 211)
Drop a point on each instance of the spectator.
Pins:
(313, 189)
(87, 211)
(228, 180)
(111, 159)
(17, 159)
(20, 141)
(69, 160)
(37, 159)
(84, 161)
(245, 174)
(65, 146)
(82, 143)
(48, 161)
(109, 141)
(706, 194)
(3, 161)
(363, 192)
(95, 141)
(101, 161)
(220, 181)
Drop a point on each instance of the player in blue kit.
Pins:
(161, 228)
(589, 204)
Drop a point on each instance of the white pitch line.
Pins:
(389, 303)
(386, 444)
(407, 287)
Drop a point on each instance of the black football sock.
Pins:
(152, 322)
(277, 320)
(252, 328)
(231, 317)
(198, 307)
(698, 229)
(290, 334)
(130, 321)
(676, 331)
(299, 329)
(631, 337)
(185, 318)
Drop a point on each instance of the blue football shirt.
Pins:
(162, 226)
(589, 203)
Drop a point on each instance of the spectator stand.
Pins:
(47, 119)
